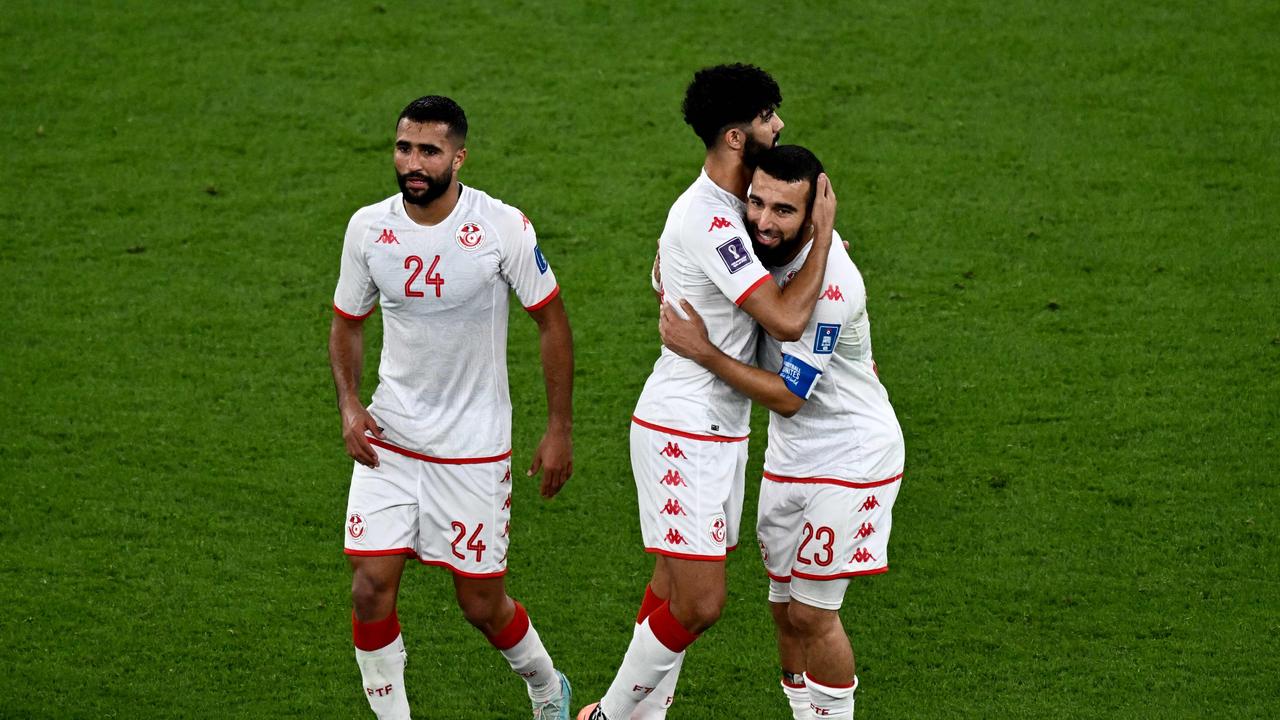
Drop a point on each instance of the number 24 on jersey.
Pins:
(414, 263)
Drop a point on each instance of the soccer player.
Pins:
(689, 429)
(835, 455)
(432, 473)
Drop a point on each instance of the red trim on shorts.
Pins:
(683, 434)
(832, 481)
(437, 460)
(685, 556)
(380, 553)
(541, 303)
(754, 286)
(511, 635)
(456, 571)
(777, 578)
(436, 563)
(837, 576)
(349, 316)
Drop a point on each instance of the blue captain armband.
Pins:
(799, 376)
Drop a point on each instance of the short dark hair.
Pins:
(792, 163)
(727, 95)
(437, 108)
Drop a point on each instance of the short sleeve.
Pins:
(719, 246)
(356, 295)
(523, 265)
(805, 359)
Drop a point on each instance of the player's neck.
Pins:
(727, 170)
(434, 212)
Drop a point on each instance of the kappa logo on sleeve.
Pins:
(825, 342)
(734, 254)
(539, 258)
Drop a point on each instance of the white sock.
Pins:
(798, 699)
(383, 674)
(646, 663)
(656, 704)
(829, 703)
(529, 659)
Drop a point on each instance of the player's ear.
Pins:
(734, 138)
(459, 158)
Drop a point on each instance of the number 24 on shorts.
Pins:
(474, 543)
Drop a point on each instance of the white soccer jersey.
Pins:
(847, 428)
(442, 378)
(706, 258)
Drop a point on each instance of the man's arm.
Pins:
(554, 456)
(784, 312)
(688, 338)
(346, 360)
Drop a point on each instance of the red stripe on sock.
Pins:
(834, 686)
(650, 603)
(514, 632)
(377, 634)
(668, 629)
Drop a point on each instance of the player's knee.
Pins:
(810, 621)
(700, 612)
(481, 610)
(373, 596)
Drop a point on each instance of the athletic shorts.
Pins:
(824, 528)
(690, 489)
(451, 513)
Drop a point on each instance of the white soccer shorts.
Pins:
(823, 529)
(690, 489)
(451, 513)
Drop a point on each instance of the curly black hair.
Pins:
(437, 108)
(726, 95)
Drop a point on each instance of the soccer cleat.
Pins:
(592, 712)
(558, 708)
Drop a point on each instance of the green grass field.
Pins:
(1066, 215)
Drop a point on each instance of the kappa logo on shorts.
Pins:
(470, 235)
(387, 237)
(673, 478)
(764, 552)
(355, 527)
(718, 223)
(675, 538)
(718, 531)
(863, 555)
(672, 450)
(506, 478)
(870, 503)
(865, 530)
(672, 508)
(506, 504)
(824, 342)
(506, 529)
